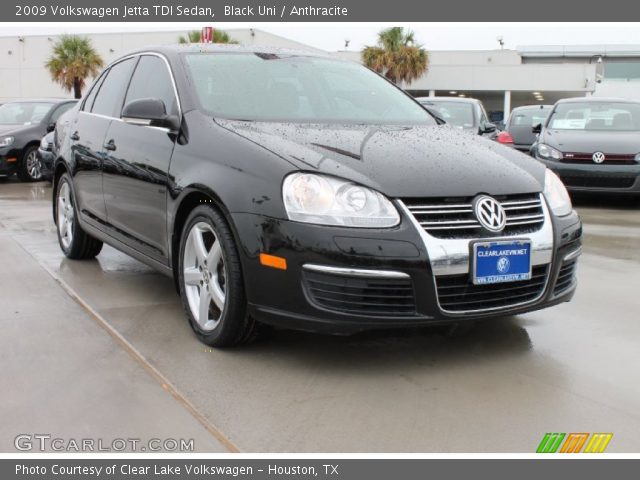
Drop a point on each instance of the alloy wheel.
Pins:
(204, 275)
(34, 169)
(66, 215)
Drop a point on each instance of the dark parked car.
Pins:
(45, 156)
(593, 144)
(464, 113)
(521, 122)
(23, 123)
(303, 191)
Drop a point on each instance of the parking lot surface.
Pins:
(499, 388)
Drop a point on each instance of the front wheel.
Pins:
(211, 283)
(74, 241)
(30, 168)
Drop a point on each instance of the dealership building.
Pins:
(502, 79)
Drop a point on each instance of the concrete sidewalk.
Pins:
(65, 375)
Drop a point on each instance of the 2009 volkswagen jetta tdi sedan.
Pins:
(302, 191)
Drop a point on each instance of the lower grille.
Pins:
(388, 297)
(456, 293)
(597, 181)
(565, 277)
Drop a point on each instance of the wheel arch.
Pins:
(190, 198)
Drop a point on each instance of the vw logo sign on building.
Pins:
(598, 157)
(490, 213)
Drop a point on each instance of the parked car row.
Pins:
(23, 124)
(592, 143)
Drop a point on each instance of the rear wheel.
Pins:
(211, 283)
(74, 242)
(30, 168)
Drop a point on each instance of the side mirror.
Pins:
(536, 128)
(150, 112)
(488, 128)
(51, 127)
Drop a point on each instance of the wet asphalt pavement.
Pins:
(499, 388)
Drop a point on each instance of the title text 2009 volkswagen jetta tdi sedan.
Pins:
(298, 190)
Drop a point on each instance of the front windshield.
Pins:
(596, 116)
(291, 88)
(23, 113)
(459, 114)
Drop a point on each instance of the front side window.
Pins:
(593, 116)
(151, 79)
(110, 97)
(23, 113)
(270, 87)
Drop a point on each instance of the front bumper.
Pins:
(597, 178)
(8, 161)
(284, 297)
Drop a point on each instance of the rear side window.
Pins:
(88, 103)
(110, 97)
(152, 79)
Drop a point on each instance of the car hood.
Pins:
(593, 141)
(11, 128)
(415, 161)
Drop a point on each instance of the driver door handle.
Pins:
(110, 145)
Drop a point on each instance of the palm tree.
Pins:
(397, 56)
(73, 60)
(194, 36)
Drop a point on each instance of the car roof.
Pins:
(595, 100)
(170, 50)
(448, 99)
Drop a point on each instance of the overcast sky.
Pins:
(434, 36)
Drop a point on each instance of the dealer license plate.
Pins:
(503, 261)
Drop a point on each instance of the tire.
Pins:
(74, 242)
(30, 169)
(211, 282)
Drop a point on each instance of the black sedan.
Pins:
(23, 123)
(593, 144)
(298, 190)
(465, 113)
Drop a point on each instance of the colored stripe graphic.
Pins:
(598, 443)
(574, 442)
(550, 442)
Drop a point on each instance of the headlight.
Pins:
(638, 157)
(556, 194)
(545, 151)
(6, 141)
(328, 200)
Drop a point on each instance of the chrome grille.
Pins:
(454, 218)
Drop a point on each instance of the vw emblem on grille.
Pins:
(490, 213)
(598, 157)
(503, 265)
